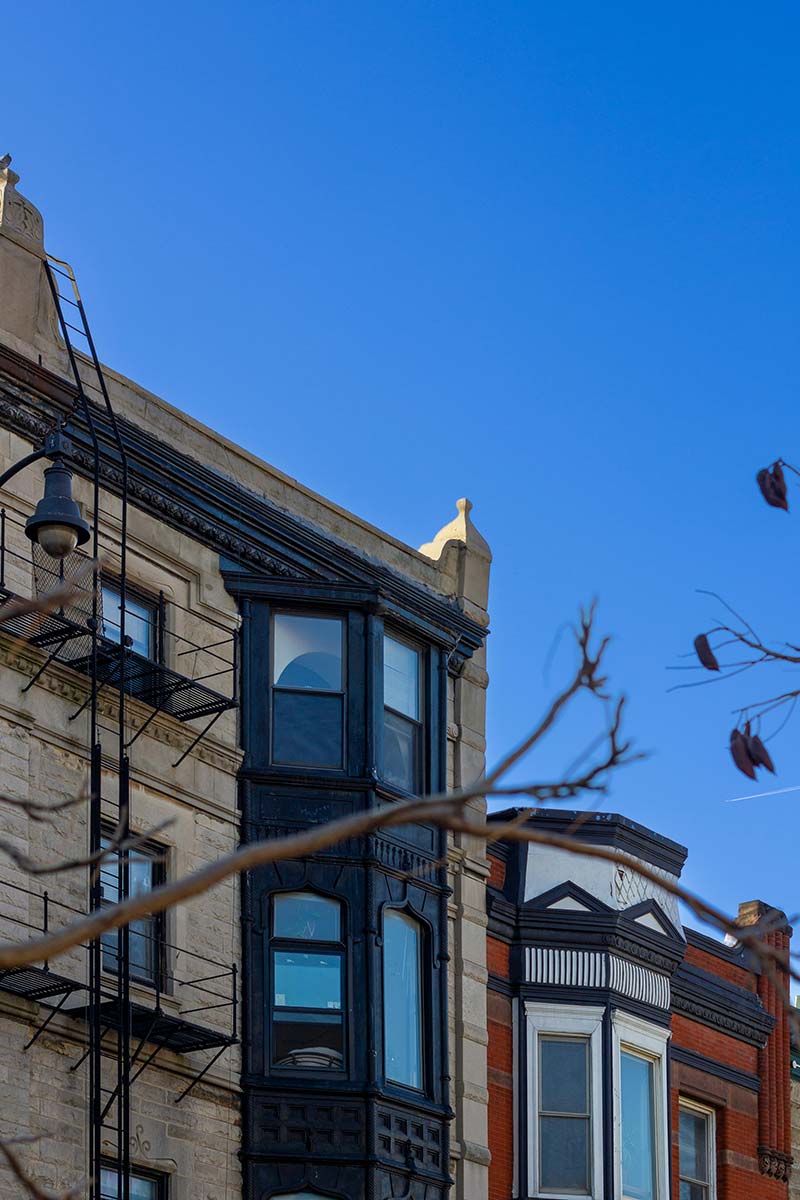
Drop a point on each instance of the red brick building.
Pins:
(630, 1058)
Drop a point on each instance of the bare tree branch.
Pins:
(33, 1188)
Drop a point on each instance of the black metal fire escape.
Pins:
(123, 1034)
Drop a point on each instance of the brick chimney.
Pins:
(774, 1059)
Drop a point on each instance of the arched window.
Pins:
(402, 999)
(300, 1196)
(307, 957)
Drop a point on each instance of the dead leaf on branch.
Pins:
(705, 653)
(772, 482)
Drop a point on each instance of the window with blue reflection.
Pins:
(145, 939)
(402, 998)
(307, 690)
(307, 982)
(638, 1132)
(402, 728)
(142, 1187)
(140, 621)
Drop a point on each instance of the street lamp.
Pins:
(57, 524)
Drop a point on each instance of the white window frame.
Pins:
(648, 1041)
(702, 1110)
(579, 1021)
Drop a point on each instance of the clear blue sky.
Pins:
(544, 255)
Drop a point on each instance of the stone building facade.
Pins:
(325, 1019)
(629, 1056)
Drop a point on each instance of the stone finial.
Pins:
(461, 529)
(462, 552)
(19, 218)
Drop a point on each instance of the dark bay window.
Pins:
(143, 1185)
(307, 958)
(402, 999)
(145, 942)
(564, 1115)
(140, 620)
(402, 700)
(307, 690)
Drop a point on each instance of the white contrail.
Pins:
(759, 795)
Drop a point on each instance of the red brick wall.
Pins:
(497, 872)
(498, 955)
(501, 1098)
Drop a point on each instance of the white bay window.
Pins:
(565, 1127)
(641, 1160)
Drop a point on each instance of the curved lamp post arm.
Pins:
(23, 462)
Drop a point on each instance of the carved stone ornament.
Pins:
(17, 215)
(774, 1164)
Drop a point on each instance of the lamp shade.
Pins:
(57, 524)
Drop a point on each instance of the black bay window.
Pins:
(308, 690)
(402, 709)
(307, 963)
(402, 999)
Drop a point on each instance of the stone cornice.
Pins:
(241, 525)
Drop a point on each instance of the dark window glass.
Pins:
(307, 729)
(307, 982)
(638, 1128)
(140, 621)
(564, 1115)
(402, 998)
(145, 943)
(142, 1187)
(308, 690)
(402, 731)
(696, 1154)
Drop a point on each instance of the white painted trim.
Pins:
(580, 1021)
(648, 1041)
(711, 1120)
(515, 1080)
(567, 968)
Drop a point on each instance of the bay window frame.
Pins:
(343, 693)
(580, 1022)
(648, 1041)
(420, 723)
(338, 948)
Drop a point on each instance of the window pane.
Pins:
(307, 729)
(693, 1191)
(564, 1075)
(307, 980)
(400, 752)
(307, 1039)
(564, 1154)
(306, 917)
(402, 1000)
(694, 1145)
(139, 621)
(307, 652)
(401, 677)
(140, 1188)
(144, 938)
(638, 1148)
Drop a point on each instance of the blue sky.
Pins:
(543, 255)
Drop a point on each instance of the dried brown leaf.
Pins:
(705, 653)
